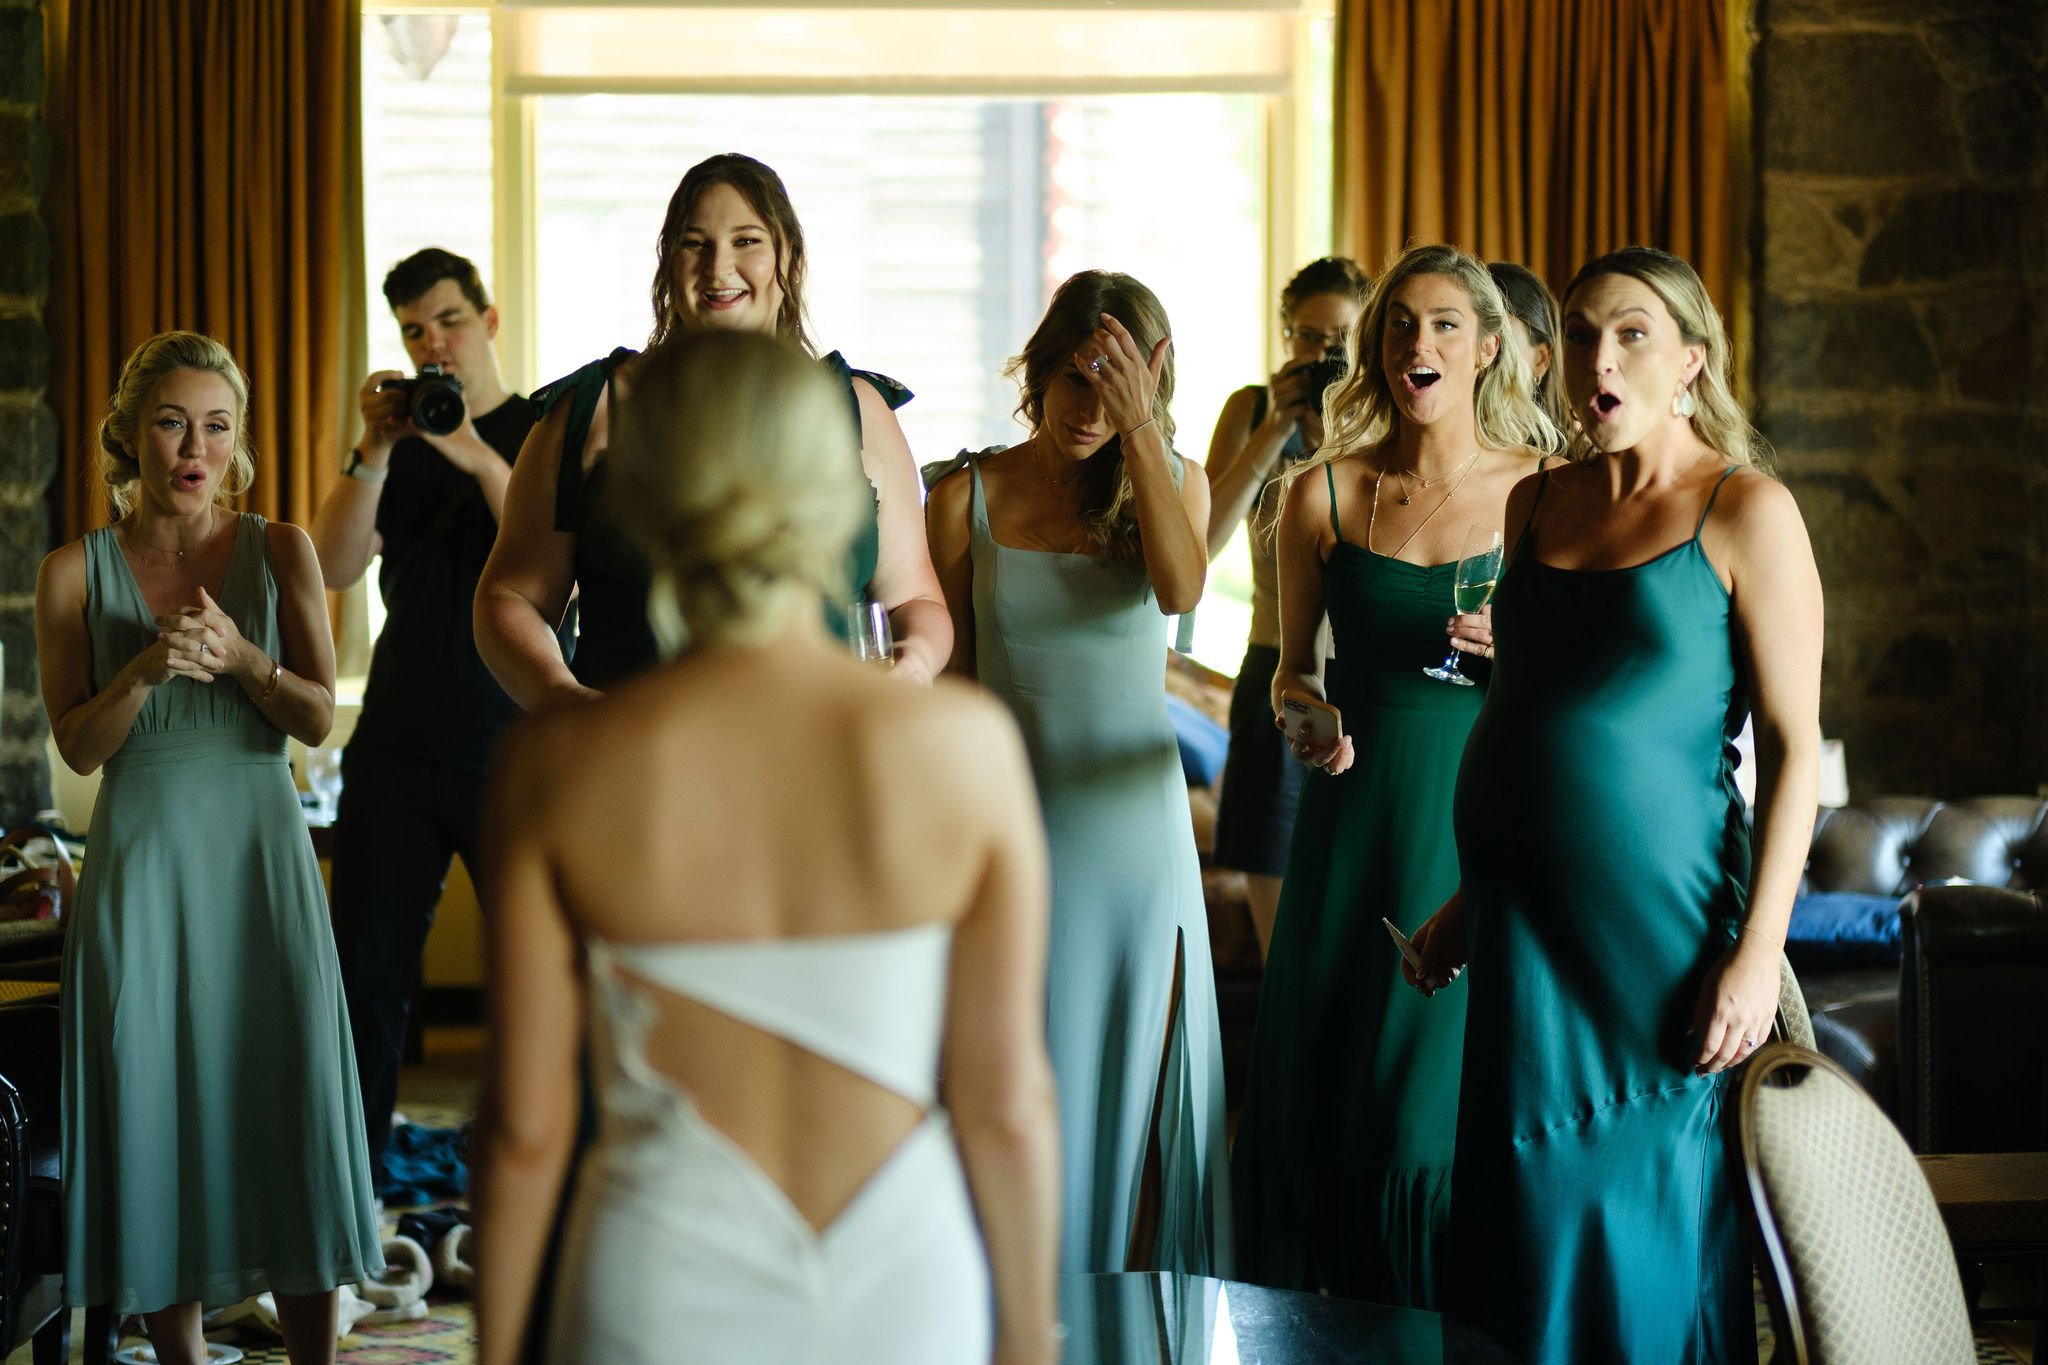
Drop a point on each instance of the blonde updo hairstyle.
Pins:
(1362, 412)
(735, 469)
(1717, 418)
(147, 366)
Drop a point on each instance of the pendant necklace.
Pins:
(1373, 516)
(176, 556)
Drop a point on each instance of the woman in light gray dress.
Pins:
(212, 1135)
(1062, 558)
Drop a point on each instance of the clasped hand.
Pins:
(1123, 378)
(200, 642)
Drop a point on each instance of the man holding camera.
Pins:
(424, 488)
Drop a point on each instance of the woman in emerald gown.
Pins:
(1343, 1158)
(1623, 943)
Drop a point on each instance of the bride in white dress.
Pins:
(783, 904)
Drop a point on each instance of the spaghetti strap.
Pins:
(1331, 480)
(1542, 482)
(1709, 509)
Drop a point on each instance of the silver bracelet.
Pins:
(1138, 428)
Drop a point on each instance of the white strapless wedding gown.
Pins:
(680, 1248)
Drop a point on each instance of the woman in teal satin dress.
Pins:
(1343, 1160)
(1623, 943)
(1061, 559)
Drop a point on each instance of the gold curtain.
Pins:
(1538, 131)
(206, 177)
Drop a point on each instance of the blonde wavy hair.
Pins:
(1717, 418)
(147, 366)
(1076, 310)
(736, 470)
(1363, 414)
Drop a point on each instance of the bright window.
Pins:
(938, 223)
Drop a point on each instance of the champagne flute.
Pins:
(1478, 571)
(867, 630)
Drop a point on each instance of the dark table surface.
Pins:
(1158, 1319)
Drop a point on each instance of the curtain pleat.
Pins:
(205, 173)
(1539, 131)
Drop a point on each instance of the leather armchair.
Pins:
(1889, 847)
(1973, 1020)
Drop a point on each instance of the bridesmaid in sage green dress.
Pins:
(1624, 945)
(1343, 1159)
(212, 1135)
(1061, 559)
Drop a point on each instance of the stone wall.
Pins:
(1901, 333)
(28, 431)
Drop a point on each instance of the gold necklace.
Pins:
(1426, 484)
(1372, 518)
(1038, 465)
(177, 556)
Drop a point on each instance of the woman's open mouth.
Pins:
(1605, 405)
(1421, 377)
(721, 299)
(191, 479)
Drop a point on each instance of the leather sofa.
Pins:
(1889, 847)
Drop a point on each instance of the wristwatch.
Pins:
(356, 469)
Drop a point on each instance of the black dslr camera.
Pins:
(433, 399)
(1320, 374)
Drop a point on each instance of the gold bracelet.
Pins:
(276, 672)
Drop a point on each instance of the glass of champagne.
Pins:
(1478, 571)
(867, 629)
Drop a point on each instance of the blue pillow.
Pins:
(1839, 929)
(1203, 743)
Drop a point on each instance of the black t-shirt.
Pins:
(429, 695)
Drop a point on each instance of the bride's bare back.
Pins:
(763, 793)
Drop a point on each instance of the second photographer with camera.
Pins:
(1260, 430)
(424, 487)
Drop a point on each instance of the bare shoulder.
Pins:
(1757, 515)
(951, 489)
(63, 570)
(956, 737)
(291, 549)
(877, 418)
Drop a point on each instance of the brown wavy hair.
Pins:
(764, 192)
(1076, 311)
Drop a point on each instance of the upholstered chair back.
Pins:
(1855, 1260)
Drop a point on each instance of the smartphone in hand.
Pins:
(1310, 721)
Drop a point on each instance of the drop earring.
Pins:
(1683, 404)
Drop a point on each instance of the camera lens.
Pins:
(437, 407)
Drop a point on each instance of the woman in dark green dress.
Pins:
(1624, 945)
(1343, 1158)
(730, 256)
